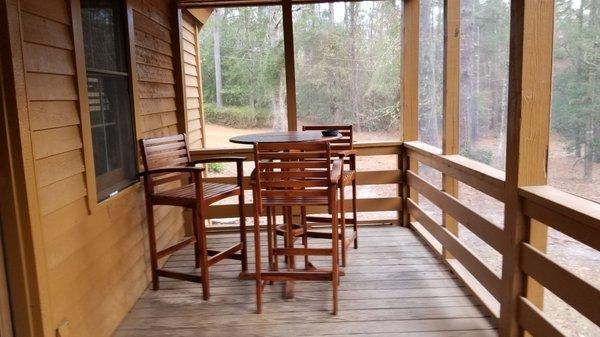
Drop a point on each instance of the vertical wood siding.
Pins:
(96, 261)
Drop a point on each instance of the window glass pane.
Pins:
(243, 73)
(103, 34)
(348, 66)
(109, 96)
(431, 66)
(484, 46)
(574, 158)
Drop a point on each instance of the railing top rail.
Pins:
(577, 208)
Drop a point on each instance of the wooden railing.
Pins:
(379, 177)
(569, 214)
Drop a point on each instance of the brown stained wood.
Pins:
(153, 74)
(147, 25)
(528, 128)
(535, 321)
(52, 114)
(166, 161)
(50, 87)
(483, 228)
(46, 59)
(462, 253)
(40, 30)
(61, 193)
(58, 167)
(148, 41)
(156, 90)
(290, 67)
(54, 141)
(157, 105)
(152, 58)
(52, 9)
(409, 304)
(451, 98)
(576, 292)
(475, 174)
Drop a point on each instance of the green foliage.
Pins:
(216, 167)
(241, 117)
(481, 155)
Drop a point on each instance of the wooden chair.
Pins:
(342, 148)
(166, 161)
(287, 175)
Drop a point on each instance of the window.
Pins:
(109, 95)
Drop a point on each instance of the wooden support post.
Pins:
(530, 85)
(410, 93)
(290, 72)
(450, 138)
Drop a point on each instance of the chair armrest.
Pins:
(178, 169)
(219, 160)
(336, 171)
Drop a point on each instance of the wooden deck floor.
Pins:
(394, 286)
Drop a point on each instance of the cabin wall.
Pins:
(96, 255)
(192, 79)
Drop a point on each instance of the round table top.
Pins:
(282, 137)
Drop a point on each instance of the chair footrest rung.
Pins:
(229, 253)
(179, 276)
(181, 244)
(303, 251)
(297, 230)
(297, 276)
(327, 219)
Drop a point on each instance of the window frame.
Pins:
(124, 188)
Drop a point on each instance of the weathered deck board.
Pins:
(394, 286)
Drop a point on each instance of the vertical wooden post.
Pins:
(450, 137)
(410, 93)
(530, 85)
(290, 72)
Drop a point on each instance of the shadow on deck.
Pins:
(394, 286)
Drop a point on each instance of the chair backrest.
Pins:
(344, 143)
(288, 170)
(170, 151)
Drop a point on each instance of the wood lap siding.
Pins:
(193, 81)
(96, 261)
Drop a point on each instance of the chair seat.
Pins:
(186, 195)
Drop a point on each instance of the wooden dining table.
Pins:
(283, 137)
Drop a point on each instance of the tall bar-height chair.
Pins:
(167, 160)
(342, 148)
(289, 175)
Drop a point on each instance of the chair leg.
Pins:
(305, 234)
(354, 214)
(274, 234)
(342, 225)
(243, 238)
(270, 238)
(195, 229)
(152, 246)
(257, 261)
(335, 268)
(203, 254)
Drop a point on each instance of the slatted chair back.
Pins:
(170, 151)
(292, 173)
(344, 143)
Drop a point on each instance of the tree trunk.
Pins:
(217, 57)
